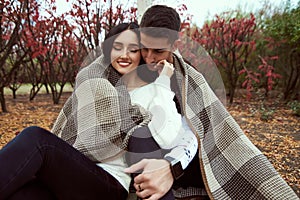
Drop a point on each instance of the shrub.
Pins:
(295, 107)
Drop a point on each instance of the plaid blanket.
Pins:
(232, 167)
(98, 117)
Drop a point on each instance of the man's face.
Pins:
(155, 49)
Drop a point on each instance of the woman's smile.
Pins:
(124, 64)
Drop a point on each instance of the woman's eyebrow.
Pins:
(117, 44)
(130, 44)
(134, 44)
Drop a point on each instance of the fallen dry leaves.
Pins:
(23, 113)
(278, 138)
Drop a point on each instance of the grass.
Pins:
(25, 89)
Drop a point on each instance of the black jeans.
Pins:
(36, 164)
(142, 145)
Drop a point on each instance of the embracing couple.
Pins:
(140, 120)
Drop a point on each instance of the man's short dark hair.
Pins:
(164, 17)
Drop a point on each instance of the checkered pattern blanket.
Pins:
(99, 118)
(232, 167)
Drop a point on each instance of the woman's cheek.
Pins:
(137, 57)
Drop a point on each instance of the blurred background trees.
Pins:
(43, 48)
(282, 36)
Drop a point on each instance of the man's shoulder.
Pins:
(187, 65)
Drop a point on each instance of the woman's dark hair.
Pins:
(109, 39)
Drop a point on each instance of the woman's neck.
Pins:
(133, 81)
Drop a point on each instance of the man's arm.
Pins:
(165, 124)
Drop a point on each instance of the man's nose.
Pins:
(149, 56)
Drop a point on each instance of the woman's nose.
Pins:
(124, 54)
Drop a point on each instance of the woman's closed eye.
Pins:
(134, 50)
(121, 48)
(117, 47)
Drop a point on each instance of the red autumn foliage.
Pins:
(230, 41)
(50, 47)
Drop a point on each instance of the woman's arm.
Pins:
(185, 147)
(168, 127)
(165, 125)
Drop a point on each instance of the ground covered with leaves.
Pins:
(270, 125)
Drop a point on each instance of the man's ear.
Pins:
(175, 45)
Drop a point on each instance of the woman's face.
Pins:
(125, 54)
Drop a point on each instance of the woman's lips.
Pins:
(124, 64)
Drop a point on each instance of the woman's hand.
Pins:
(165, 68)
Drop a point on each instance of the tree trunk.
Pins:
(2, 100)
(231, 84)
(231, 94)
(294, 75)
(56, 93)
(34, 91)
(14, 92)
(46, 88)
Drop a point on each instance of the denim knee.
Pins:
(34, 132)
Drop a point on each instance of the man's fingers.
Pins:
(154, 197)
(147, 192)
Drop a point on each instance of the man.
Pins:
(231, 166)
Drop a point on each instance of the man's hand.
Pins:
(155, 180)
